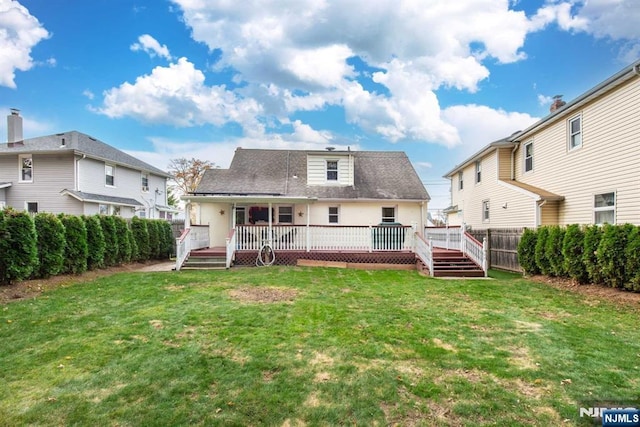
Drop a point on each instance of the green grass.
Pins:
(335, 347)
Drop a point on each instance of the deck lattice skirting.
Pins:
(247, 258)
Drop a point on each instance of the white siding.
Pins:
(317, 169)
(607, 161)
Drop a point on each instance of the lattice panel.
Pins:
(248, 258)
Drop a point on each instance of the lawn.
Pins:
(303, 346)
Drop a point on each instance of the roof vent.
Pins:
(557, 103)
(331, 148)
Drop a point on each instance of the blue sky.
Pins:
(438, 79)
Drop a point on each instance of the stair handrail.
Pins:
(231, 247)
(183, 247)
(424, 251)
(475, 250)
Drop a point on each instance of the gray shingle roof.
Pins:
(377, 175)
(82, 144)
(91, 197)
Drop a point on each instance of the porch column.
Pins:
(187, 216)
(270, 224)
(308, 228)
(233, 216)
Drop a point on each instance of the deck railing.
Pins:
(444, 237)
(231, 247)
(325, 238)
(475, 250)
(424, 251)
(192, 238)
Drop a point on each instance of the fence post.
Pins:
(485, 263)
(431, 273)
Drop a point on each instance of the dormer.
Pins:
(330, 168)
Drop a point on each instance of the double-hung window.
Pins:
(460, 181)
(478, 171)
(575, 132)
(528, 157)
(332, 170)
(26, 168)
(145, 182)
(485, 211)
(388, 215)
(333, 215)
(604, 208)
(285, 214)
(109, 175)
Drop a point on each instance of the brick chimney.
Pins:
(557, 103)
(14, 126)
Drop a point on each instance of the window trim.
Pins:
(143, 176)
(21, 157)
(26, 207)
(113, 174)
(332, 170)
(384, 218)
(612, 208)
(486, 211)
(570, 134)
(335, 215)
(528, 144)
(289, 214)
(478, 171)
(460, 180)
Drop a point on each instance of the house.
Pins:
(352, 206)
(579, 164)
(73, 173)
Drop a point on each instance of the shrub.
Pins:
(95, 241)
(611, 254)
(527, 251)
(592, 237)
(573, 252)
(18, 247)
(110, 240)
(141, 236)
(50, 243)
(167, 234)
(553, 250)
(124, 243)
(541, 252)
(75, 249)
(154, 239)
(632, 262)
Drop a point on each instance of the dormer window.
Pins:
(332, 170)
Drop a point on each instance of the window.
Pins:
(528, 157)
(333, 215)
(109, 172)
(332, 170)
(485, 211)
(103, 209)
(115, 210)
(142, 213)
(460, 181)
(575, 133)
(26, 168)
(32, 207)
(604, 208)
(478, 171)
(145, 182)
(285, 214)
(388, 215)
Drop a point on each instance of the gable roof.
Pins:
(501, 143)
(82, 144)
(255, 172)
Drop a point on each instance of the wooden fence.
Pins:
(503, 247)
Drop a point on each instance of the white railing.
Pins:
(183, 247)
(199, 237)
(445, 237)
(424, 251)
(325, 238)
(231, 247)
(475, 250)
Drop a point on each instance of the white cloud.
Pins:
(19, 33)
(177, 95)
(151, 46)
(88, 94)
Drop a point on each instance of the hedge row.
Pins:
(46, 245)
(608, 254)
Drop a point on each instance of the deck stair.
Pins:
(206, 259)
(451, 263)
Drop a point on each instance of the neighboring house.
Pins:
(76, 174)
(577, 165)
(317, 188)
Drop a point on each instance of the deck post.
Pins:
(308, 229)
(270, 232)
(485, 254)
(370, 238)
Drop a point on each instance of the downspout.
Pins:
(78, 171)
(539, 212)
(513, 160)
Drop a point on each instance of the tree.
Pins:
(188, 173)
